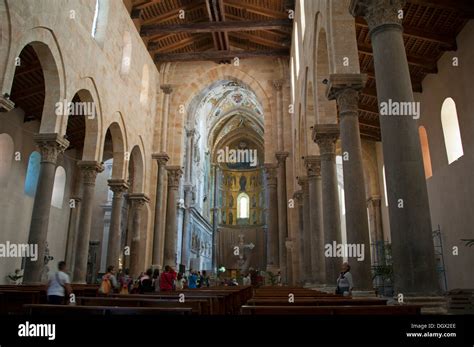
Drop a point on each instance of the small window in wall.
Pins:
(384, 185)
(145, 85)
(303, 19)
(6, 158)
(32, 174)
(126, 53)
(99, 21)
(243, 206)
(95, 21)
(451, 131)
(58, 187)
(426, 151)
(293, 78)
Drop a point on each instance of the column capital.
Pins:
(167, 88)
(344, 88)
(378, 13)
(89, 171)
(162, 158)
(174, 175)
(298, 195)
(6, 104)
(50, 146)
(190, 132)
(281, 156)
(278, 84)
(271, 174)
(374, 199)
(313, 165)
(118, 186)
(326, 135)
(289, 244)
(138, 200)
(303, 182)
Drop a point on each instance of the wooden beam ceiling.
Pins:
(219, 55)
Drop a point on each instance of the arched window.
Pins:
(58, 187)
(99, 23)
(384, 185)
(6, 157)
(95, 21)
(126, 53)
(297, 51)
(293, 78)
(452, 134)
(426, 151)
(145, 85)
(303, 19)
(243, 206)
(32, 174)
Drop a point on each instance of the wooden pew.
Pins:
(331, 310)
(317, 302)
(75, 310)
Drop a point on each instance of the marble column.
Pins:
(118, 187)
(410, 220)
(185, 240)
(137, 248)
(307, 269)
(273, 264)
(167, 89)
(344, 88)
(50, 147)
(171, 232)
(161, 160)
(72, 231)
(318, 266)
(299, 241)
(282, 214)
(376, 228)
(326, 135)
(89, 171)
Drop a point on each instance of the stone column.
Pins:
(298, 247)
(282, 214)
(306, 239)
(273, 264)
(118, 187)
(161, 159)
(318, 266)
(410, 220)
(325, 135)
(171, 233)
(50, 146)
(188, 201)
(278, 86)
(138, 200)
(72, 231)
(345, 89)
(89, 171)
(289, 254)
(376, 228)
(167, 89)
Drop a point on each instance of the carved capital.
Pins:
(313, 165)
(161, 158)
(6, 105)
(344, 88)
(89, 171)
(281, 157)
(118, 186)
(50, 146)
(326, 135)
(138, 200)
(271, 174)
(277, 84)
(378, 13)
(303, 182)
(190, 132)
(167, 88)
(298, 195)
(174, 175)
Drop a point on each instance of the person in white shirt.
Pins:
(344, 281)
(247, 280)
(59, 286)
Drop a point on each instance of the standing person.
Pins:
(167, 279)
(180, 281)
(156, 279)
(204, 279)
(125, 282)
(59, 286)
(109, 281)
(192, 280)
(344, 281)
(146, 282)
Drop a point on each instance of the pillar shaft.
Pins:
(307, 269)
(167, 89)
(137, 248)
(272, 232)
(161, 159)
(171, 232)
(376, 229)
(72, 232)
(185, 249)
(345, 89)
(282, 215)
(325, 135)
(118, 187)
(410, 221)
(50, 146)
(318, 267)
(298, 249)
(89, 171)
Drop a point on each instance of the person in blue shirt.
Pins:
(192, 279)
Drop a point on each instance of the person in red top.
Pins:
(167, 279)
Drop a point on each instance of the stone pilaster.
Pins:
(273, 262)
(167, 89)
(171, 232)
(89, 171)
(410, 220)
(118, 187)
(161, 160)
(50, 147)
